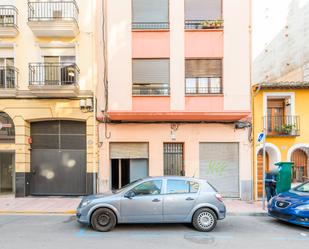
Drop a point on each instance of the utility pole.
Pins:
(264, 167)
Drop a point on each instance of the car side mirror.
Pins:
(129, 194)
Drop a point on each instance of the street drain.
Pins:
(206, 240)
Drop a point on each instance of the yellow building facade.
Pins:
(47, 86)
(281, 110)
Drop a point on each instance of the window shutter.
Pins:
(151, 71)
(150, 11)
(203, 68)
(203, 9)
(128, 150)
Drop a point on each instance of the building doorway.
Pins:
(260, 175)
(173, 159)
(300, 165)
(7, 174)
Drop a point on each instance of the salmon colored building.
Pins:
(174, 92)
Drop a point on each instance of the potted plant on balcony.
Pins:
(288, 129)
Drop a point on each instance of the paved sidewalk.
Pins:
(67, 205)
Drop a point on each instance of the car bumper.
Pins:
(289, 215)
(83, 219)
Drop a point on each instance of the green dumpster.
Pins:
(284, 177)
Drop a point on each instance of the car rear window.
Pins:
(181, 187)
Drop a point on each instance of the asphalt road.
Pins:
(58, 232)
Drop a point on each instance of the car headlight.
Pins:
(303, 207)
(270, 201)
(85, 203)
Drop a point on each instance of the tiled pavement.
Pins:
(67, 205)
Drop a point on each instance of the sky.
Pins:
(268, 18)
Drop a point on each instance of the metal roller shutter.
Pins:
(128, 150)
(150, 11)
(203, 68)
(203, 9)
(151, 71)
(219, 164)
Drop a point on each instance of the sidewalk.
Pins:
(67, 205)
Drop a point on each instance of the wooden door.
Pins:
(300, 167)
(275, 116)
(260, 172)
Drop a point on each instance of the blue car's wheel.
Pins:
(204, 220)
(103, 220)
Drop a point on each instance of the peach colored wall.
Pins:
(151, 104)
(151, 44)
(201, 44)
(190, 134)
(204, 104)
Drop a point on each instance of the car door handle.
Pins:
(190, 199)
(155, 200)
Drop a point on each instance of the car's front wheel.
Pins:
(204, 220)
(103, 220)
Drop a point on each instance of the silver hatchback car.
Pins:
(169, 199)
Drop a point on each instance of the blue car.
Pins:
(291, 206)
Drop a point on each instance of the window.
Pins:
(7, 131)
(303, 188)
(149, 14)
(203, 14)
(7, 73)
(150, 76)
(148, 188)
(173, 159)
(203, 76)
(181, 187)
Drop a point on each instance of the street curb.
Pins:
(37, 212)
(257, 214)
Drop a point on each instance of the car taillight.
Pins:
(219, 197)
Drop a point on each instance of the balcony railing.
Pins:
(203, 90)
(8, 77)
(8, 16)
(66, 10)
(150, 25)
(282, 125)
(150, 91)
(204, 24)
(53, 74)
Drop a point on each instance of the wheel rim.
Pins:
(205, 220)
(103, 219)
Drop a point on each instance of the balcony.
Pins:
(203, 90)
(282, 126)
(204, 24)
(53, 18)
(54, 79)
(150, 26)
(8, 21)
(8, 81)
(139, 90)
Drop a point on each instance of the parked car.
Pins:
(292, 206)
(155, 200)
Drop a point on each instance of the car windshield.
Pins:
(125, 186)
(303, 188)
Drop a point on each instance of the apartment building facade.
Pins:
(47, 79)
(175, 99)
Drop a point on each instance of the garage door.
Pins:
(219, 164)
(58, 158)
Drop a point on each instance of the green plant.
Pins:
(287, 128)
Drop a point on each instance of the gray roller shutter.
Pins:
(219, 164)
(128, 150)
(150, 11)
(204, 68)
(151, 71)
(203, 9)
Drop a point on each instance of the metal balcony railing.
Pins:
(150, 91)
(282, 125)
(8, 77)
(8, 16)
(150, 25)
(66, 10)
(204, 24)
(53, 74)
(203, 90)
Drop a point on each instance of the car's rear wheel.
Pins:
(103, 220)
(204, 220)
